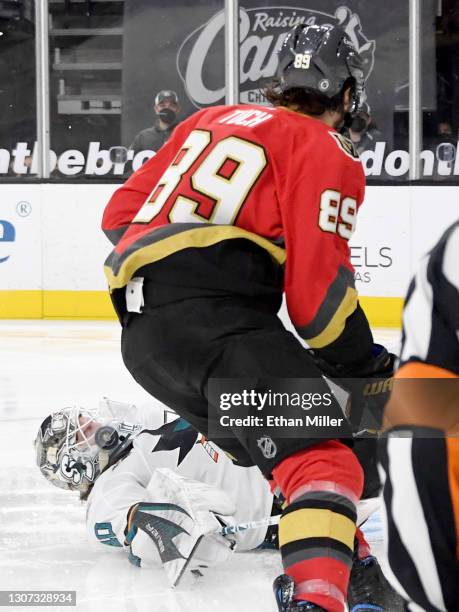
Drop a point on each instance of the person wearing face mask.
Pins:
(363, 133)
(166, 110)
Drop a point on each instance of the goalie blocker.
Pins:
(183, 527)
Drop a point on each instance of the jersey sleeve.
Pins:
(430, 346)
(125, 484)
(128, 199)
(319, 197)
(114, 493)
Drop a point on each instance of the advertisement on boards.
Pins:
(20, 238)
(187, 52)
(381, 244)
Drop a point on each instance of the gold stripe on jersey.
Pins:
(120, 268)
(337, 323)
(339, 302)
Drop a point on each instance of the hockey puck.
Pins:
(106, 437)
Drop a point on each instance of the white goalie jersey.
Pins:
(177, 446)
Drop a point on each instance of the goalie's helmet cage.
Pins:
(321, 58)
(66, 460)
(71, 454)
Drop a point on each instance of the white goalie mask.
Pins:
(73, 446)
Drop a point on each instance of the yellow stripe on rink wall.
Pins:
(77, 305)
(21, 304)
(381, 311)
(56, 305)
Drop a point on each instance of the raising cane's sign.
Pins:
(262, 31)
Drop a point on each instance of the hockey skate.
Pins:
(369, 591)
(283, 588)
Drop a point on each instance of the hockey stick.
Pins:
(365, 509)
(231, 529)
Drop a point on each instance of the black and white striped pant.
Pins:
(420, 471)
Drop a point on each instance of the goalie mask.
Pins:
(74, 446)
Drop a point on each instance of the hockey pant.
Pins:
(174, 349)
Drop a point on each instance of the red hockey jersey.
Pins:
(282, 180)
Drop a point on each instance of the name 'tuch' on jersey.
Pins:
(285, 183)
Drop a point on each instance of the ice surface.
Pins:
(48, 365)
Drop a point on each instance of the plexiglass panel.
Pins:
(18, 130)
(123, 74)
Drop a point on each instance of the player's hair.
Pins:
(309, 101)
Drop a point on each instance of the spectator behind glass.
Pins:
(441, 133)
(166, 110)
(363, 132)
(444, 128)
(444, 143)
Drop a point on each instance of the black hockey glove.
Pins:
(368, 383)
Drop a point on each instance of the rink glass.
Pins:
(108, 60)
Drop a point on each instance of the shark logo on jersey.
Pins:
(176, 434)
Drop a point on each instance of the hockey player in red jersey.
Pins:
(242, 204)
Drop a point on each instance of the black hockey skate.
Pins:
(369, 591)
(283, 588)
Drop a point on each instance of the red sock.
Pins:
(322, 486)
(363, 548)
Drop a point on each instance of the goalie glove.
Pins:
(182, 524)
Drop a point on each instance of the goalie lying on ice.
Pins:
(159, 492)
